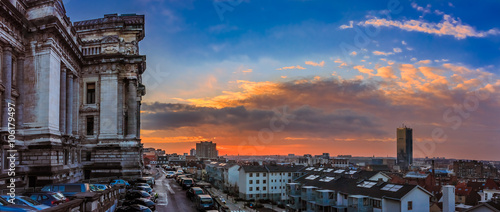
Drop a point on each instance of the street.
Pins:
(171, 197)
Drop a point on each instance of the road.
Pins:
(171, 197)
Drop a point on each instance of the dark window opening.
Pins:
(90, 125)
(91, 93)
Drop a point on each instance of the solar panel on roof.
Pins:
(327, 179)
(391, 187)
(366, 184)
(311, 177)
(339, 171)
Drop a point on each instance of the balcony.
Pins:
(325, 197)
(359, 203)
(307, 193)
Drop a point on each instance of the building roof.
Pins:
(370, 188)
(272, 168)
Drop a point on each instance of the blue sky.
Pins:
(225, 54)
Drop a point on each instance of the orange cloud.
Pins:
(321, 64)
(291, 67)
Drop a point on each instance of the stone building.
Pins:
(76, 90)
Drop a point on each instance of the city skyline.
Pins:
(347, 73)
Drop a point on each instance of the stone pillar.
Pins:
(7, 82)
(132, 108)
(69, 104)
(62, 102)
(20, 90)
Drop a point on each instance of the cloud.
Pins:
(382, 53)
(397, 50)
(422, 62)
(360, 111)
(342, 63)
(403, 42)
(291, 67)
(353, 53)
(283, 77)
(321, 64)
(386, 72)
(247, 71)
(364, 70)
(347, 26)
(425, 10)
(448, 26)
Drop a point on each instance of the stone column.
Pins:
(7, 81)
(69, 104)
(132, 108)
(62, 102)
(20, 90)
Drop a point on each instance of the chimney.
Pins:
(448, 198)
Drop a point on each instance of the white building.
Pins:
(265, 182)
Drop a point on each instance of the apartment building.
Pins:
(266, 182)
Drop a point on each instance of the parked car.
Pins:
(24, 200)
(141, 201)
(204, 202)
(187, 183)
(98, 187)
(143, 188)
(193, 191)
(142, 184)
(134, 194)
(134, 208)
(68, 190)
(170, 174)
(49, 198)
(119, 182)
(9, 207)
(148, 180)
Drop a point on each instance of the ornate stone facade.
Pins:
(77, 93)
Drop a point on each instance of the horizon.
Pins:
(261, 77)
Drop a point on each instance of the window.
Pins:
(251, 174)
(257, 174)
(90, 125)
(66, 157)
(251, 195)
(289, 174)
(410, 205)
(88, 156)
(257, 188)
(264, 174)
(91, 93)
(250, 189)
(264, 181)
(250, 182)
(264, 188)
(258, 181)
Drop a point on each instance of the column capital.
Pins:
(70, 74)
(7, 48)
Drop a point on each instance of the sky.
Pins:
(312, 76)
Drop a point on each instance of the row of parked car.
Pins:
(48, 196)
(139, 196)
(55, 194)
